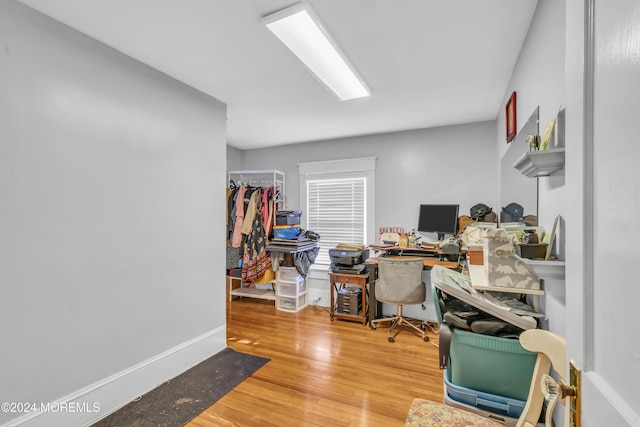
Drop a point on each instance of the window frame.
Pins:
(344, 168)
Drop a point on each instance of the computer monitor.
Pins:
(441, 219)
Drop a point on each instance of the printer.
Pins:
(350, 261)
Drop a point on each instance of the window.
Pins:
(337, 202)
(336, 211)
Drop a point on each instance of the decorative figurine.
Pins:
(533, 141)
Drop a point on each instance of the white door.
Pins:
(603, 182)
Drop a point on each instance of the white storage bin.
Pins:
(288, 274)
(291, 303)
(292, 289)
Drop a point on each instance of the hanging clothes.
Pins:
(265, 209)
(255, 197)
(246, 203)
(233, 253)
(231, 212)
(269, 223)
(256, 260)
(303, 260)
(236, 240)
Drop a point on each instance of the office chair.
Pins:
(551, 350)
(400, 282)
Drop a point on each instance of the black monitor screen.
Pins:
(441, 219)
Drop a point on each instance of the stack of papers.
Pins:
(350, 246)
(302, 243)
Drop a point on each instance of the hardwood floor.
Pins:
(322, 372)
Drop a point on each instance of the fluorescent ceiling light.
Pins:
(299, 28)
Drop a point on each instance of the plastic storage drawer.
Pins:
(494, 365)
(288, 274)
(288, 217)
(486, 401)
(293, 304)
(293, 288)
(507, 421)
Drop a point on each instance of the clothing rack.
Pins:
(275, 180)
(261, 178)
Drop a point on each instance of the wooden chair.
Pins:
(551, 349)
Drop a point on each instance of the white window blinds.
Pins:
(336, 210)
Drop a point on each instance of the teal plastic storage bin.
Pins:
(490, 364)
(485, 401)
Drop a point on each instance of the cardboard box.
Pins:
(475, 254)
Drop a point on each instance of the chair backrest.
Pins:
(400, 281)
(551, 349)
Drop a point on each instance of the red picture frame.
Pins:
(510, 115)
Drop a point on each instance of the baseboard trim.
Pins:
(96, 401)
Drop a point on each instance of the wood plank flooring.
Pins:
(322, 372)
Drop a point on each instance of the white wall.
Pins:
(111, 200)
(602, 185)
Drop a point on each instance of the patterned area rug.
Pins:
(178, 401)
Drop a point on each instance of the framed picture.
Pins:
(510, 111)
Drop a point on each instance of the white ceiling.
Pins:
(428, 62)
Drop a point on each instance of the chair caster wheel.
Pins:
(373, 326)
(391, 339)
(425, 339)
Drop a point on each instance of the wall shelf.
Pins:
(546, 269)
(541, 163)
(552, 278)
(268, 294)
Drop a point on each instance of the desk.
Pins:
(427, 262)
(407, 250)
(339, 281)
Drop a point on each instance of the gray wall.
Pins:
(539, 80)
(453, 164)
(111, 200)
(234, 158)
